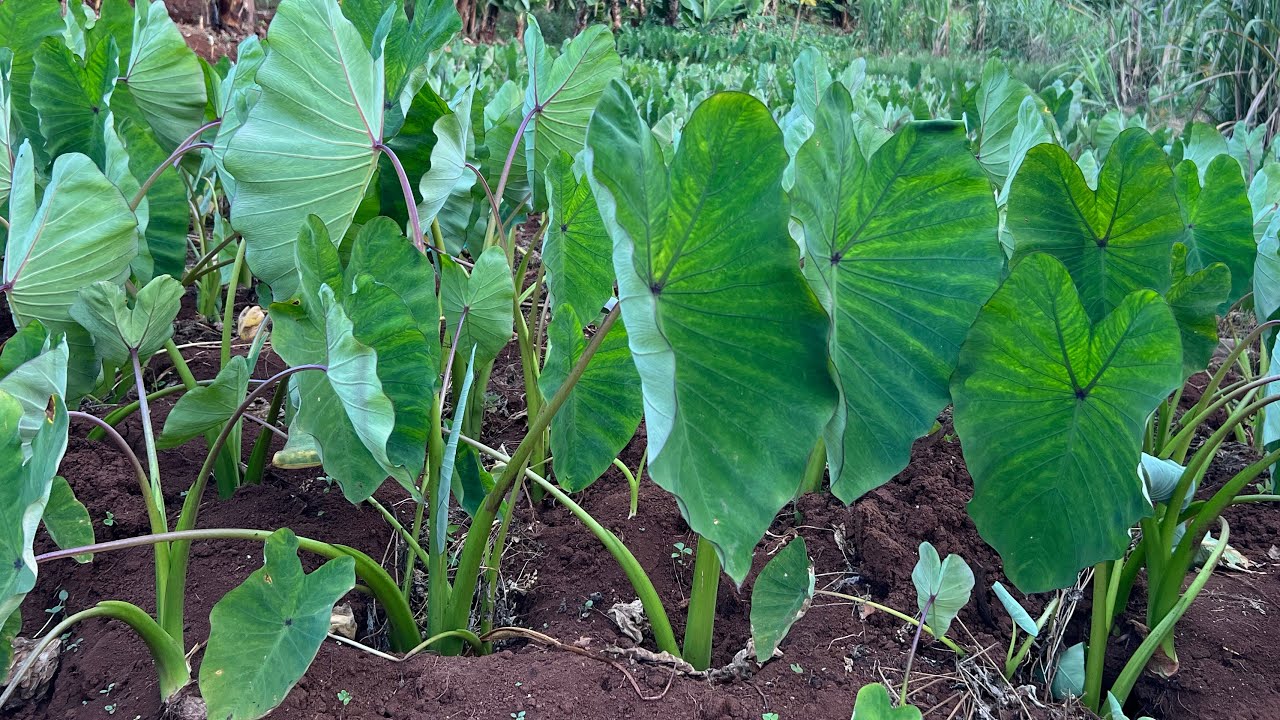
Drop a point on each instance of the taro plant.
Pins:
(1075, 365)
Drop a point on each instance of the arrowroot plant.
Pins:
(778, 304)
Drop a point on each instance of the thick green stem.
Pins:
(1138, 661)
(114, 417)
(155, 492)
(468, 572)
(403, 632)
(1099, 631)
(815, 469)
(184, 147)
(180, 365)
(258, 456)
(229, 306)
(702, 606)
(197, 269)
(171, 664)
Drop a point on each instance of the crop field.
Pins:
(702, 360)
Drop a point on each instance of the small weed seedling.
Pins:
(344, 697)
(681, 552)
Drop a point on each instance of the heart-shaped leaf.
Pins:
(119, 331)
(309, 144)
(721, 323)
(347, 409)
(1000, 99)
(781, 596)
(82, 232)
(577, 252)
(264, 634)
(72, 96)
(1112, 241)
(24, 491)
(1051, 413)
(878, 234)
(1218, 220)
(873, 703)
(561, 94)
(163, 76)
(604, 408)
(943, 587)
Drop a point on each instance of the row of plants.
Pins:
(786, 298)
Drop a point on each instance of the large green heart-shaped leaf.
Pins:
(264, 634)
(1112, 241)
(208, 407)
(727, 337)
(309, 144)
(33, 366)
(120, 331)
(604, 408)
(903, 253)
(1000, 99)
(24, 491)
(781, 596)
(72, 96)
(164, 76)
(487, 296)
(1218, 221)
(873, 703)
(943, 587)
(576, 252)
(561, 94)
(1051, 414)
(81, 232)
(23, 27)
(382, 251)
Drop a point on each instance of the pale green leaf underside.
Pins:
(308, 146)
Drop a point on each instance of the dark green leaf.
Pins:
(1218, 220)
(604, 408)
(1051, 413)
(1114, 241)
(727, 337)
(576, 252)
(902, 251)
(780, 597)
(264, 634)
(67, 520)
